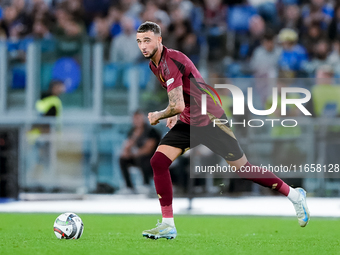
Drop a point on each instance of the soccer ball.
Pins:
(68, 226)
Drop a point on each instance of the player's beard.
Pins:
(152, 53)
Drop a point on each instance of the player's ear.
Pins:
(160, 39)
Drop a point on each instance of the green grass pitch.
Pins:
(121, 234)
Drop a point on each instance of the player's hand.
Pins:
(153, 119)
(129, 143)
(171, 122)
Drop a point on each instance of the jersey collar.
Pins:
(164, 51)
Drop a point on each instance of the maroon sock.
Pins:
(161, 175)
(264, 178)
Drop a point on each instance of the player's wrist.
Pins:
(158, 115)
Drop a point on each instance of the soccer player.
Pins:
(175, 72)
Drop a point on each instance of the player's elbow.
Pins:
(180, 107)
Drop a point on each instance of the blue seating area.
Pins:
(118, 75)
(67, 70)
(18, 72)
(239, 16)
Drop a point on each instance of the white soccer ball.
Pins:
(68, 226)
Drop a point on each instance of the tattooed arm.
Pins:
(176, 106)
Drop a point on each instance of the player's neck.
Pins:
(157, 57)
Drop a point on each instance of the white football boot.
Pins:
(301, 208)
(162, 230)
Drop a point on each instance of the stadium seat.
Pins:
(13, 47)
(116, 29)
(18, 76)
(196, 19)
(112, 72)
(268, 12)
(238, 18)
(109, 75)
(144, 74)
(234, 70)
(67, 70)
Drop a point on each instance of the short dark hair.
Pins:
(149, 26)
(138, 112)
(269, 35)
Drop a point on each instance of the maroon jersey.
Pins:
(176, 69)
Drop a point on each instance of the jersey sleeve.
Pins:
(174, 79)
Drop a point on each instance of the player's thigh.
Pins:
(176, 141)
(239, 162)
(221, 140)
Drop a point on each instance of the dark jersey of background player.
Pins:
(148, 133)
(176, 69)
(138, 150)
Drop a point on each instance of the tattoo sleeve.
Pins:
(176, 103)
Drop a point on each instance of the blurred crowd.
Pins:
(288, 38)
(238, 38)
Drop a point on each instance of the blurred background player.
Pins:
(183, 82)
(138, 149)
(49, 105)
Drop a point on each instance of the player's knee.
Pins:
(155, 162)
(159, 162)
